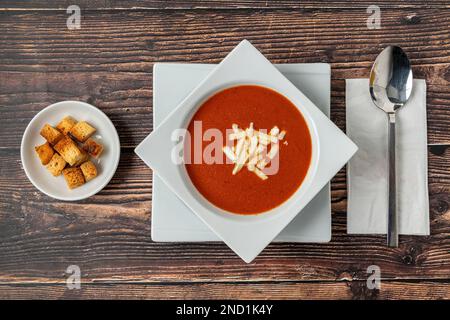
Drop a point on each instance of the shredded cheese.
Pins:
(229, 153)
(251, 148)
(236, 135)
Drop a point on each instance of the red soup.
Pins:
(255, 108)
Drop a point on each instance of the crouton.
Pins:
(45, 152)
(66, 124)
(93, 148)
(89, 170)
(74, 177)
(84, 158)
(69, 150)
(82, 131)
(51, 134)
(56, 165)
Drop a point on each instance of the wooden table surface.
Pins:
(108, 63)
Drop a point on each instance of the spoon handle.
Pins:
(392, 234)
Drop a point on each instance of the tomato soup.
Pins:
(245, 192)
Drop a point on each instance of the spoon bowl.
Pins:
(391, 79)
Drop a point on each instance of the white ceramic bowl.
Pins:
(298, 194)
(56, 187)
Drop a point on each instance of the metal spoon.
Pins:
(391, 82)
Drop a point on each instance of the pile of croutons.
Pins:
(68, 150)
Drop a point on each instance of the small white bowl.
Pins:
(56, 187)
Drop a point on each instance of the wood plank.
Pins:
(125, 97)
(356, 290)
(109, 61)
(108, 236)
(219, 4)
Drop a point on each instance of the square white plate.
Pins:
(172, 220)
(247, 235)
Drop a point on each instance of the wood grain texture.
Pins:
(356, 290)
(108, 236)
(220, 4)
(109, 63)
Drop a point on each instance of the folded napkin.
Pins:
(367, 171)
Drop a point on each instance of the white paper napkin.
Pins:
(367, 171)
